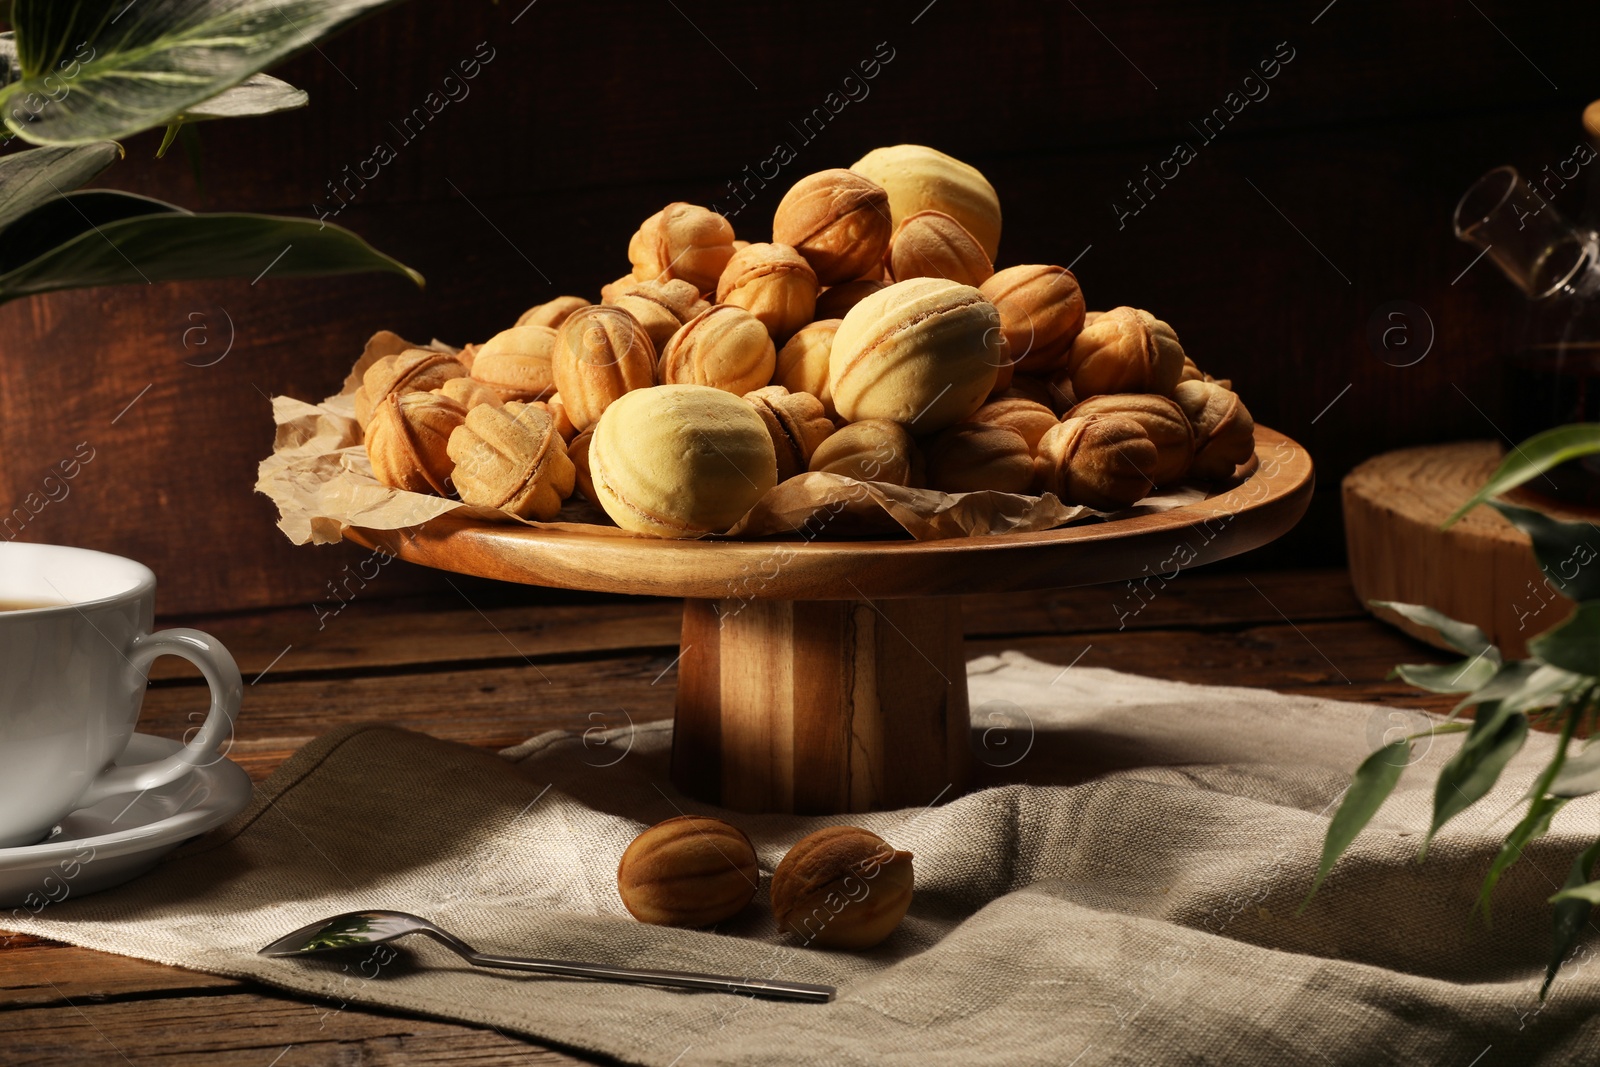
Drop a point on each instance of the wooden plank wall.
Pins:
(1327, 196)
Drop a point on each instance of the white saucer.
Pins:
(120, 838)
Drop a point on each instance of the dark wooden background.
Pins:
(591, 116)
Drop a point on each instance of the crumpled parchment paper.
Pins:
(319, 477)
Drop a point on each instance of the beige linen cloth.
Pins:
(1123, 890)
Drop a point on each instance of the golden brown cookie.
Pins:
(512, 458)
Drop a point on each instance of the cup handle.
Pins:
(227, 688)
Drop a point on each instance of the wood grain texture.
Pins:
(1042, 65)
(1271, 252)
(492, 625)
(1481, 570)
(61, 974)
(1263, 507)
(250, 1030)
(501, 706)
(448, 628)
(496, 706)
(821, 707)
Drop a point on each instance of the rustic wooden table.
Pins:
(464, 669)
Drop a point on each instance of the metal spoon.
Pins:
(376, 927)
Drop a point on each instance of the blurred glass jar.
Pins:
(1554, 375)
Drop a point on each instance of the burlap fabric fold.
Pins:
(1122, 890)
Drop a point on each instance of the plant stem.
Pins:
(1572, 708)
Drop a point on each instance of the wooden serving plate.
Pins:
(829, 676)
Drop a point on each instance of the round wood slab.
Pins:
(1261, 508)
(1481, 570)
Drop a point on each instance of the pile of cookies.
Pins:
(872, 337)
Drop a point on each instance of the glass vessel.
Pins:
(1554, 376)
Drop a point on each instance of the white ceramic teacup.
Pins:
(75, 648)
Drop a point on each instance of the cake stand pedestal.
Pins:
(827, 677)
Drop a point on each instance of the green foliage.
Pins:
(31, 179)
(1566, 551)
(1556, 686)
(75, 77)
(1542, 807)
(1370, 786)
(1533, 457)
(93, 238)
(1531, 827)
(1574, 644)
(1581, 775)
(1461, 636)
(99, 70)
(1571, 912)
(1495, 737)
(1464, 676)
(260, 94)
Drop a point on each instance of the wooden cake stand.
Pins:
(828, 676)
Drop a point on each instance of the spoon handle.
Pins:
(759, 987)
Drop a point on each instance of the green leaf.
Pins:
(1589, 891)
(1532, 458)
(1524, 685)
(1463, 676)
(1566, 551)
(118, 238)
(1532, 826)
(1495, 737)
(1370, 786)
(1581, 775)
(1482, 665)
(1571, 912)
(1546, 687)
(97, 70)
(1461, 636)
(1508, 681)
(1541, 807)
(167, 138)
(259, 94)
(62, 218)
(1574, 644)
(29, 179)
